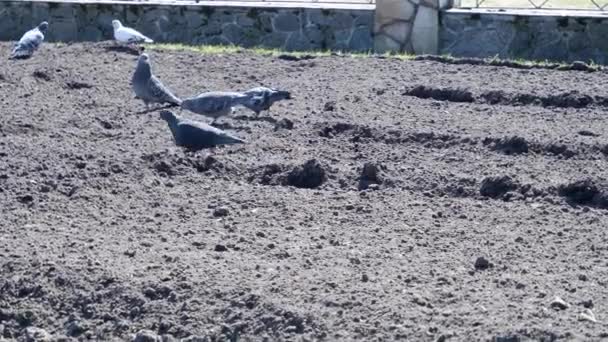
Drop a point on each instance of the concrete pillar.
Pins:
(410, 26)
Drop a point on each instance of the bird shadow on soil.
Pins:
(227, 125)
(146, 111)
(131, 50)
(256, 118)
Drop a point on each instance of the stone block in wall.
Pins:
(274, 40)
(297, 42)
(361, 39)
(40, 11)
(194, 19)
(425, 34)
(342, 21)
(286, 22)
(63, 30)
(393, 21)
(314, 34)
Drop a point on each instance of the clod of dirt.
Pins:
(75, 328)
(146, 336)
(508, 145)
(293, 58)
(283, 124)
(329, 106)
(25, 199)
(42, 74)
(220, 248)
(441, 94)
(164, 167)
(104, 123)
(78, 85)
(309, 175)
(370, 174)
(482, 263)
(37, 335)
(507, 338)
(207, 163)
(558, 149)
(220, 212)
(494, 97)
(584, 192)
(572, 99)
(497, 186)
(271, 174)
(560, 304)
(587, 133)
(329, 131)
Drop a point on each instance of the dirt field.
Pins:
(389, 199)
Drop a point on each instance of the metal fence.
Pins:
(594, 5)
(346, 2)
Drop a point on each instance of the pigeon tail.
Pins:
(20, 54)
(229, 140)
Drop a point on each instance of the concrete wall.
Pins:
(345, 28)
(530, 34)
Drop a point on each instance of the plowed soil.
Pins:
(416, 200)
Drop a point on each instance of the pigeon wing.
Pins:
(199, 135)
(29, 43)
(161, 93)
(129, 35)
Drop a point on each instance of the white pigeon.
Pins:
(128, 35)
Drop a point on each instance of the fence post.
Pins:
(410, 26)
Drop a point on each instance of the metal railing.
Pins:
(595, 5)
(358, 2)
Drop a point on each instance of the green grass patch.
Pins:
(230, 49)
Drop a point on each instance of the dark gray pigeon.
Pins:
(148, 88)
(262, 98)
(215, 104)
(30, 42)
(196, 135)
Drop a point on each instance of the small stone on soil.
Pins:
(220, 248)
(559, 304)
(220, 212)
(587, 315)
(33, 334)
(482, 263)
(146, 336)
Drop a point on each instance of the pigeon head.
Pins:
(168, 116)
(43, 26)
(116, 24)
(281, 95)
(144, 58)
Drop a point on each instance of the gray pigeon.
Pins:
(263, 98)
(148, 88)
(216, 104)
(30, 42)
(196, 135)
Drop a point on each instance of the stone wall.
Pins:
(410, 26)
(203, 23)
(531, 34)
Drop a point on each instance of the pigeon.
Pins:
(128, 35)
(30, 42)
(263, 98)
(216, 104)
(148, 88)
(196, 135)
